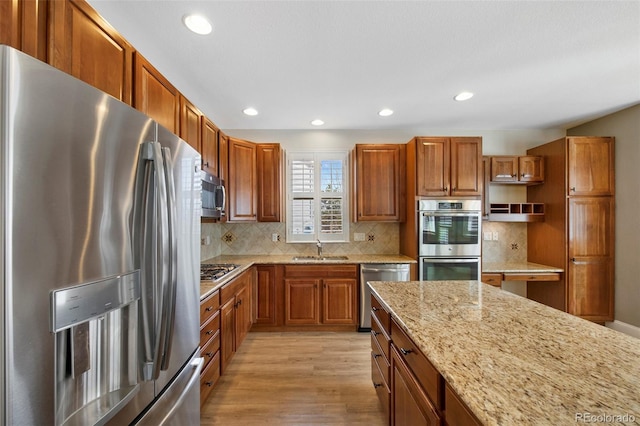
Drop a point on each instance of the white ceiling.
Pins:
(531, 64)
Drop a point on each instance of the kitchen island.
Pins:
(511, 360)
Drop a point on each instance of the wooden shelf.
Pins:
(516, 212)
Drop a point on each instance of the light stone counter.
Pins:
(245, 262)
(518, 267)
(514, 361)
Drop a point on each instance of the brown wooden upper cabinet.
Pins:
(449, 166)
(242, 182)
(209, 143)
(84, 45)
(380, 182)
(269, 180)
(23, 26)
(590, 166)
(517, 169)
(154, 95)
(190, 123)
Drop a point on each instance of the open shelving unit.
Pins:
(516, 212)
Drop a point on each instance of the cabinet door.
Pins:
(530, 168)
(190, 118)
(209, 140)
(591, 274)
(266, 295)
(23, 26)
(154, 95)
(302, 301)
(380, 182)
(269, 182)
(466, 166)
(409, 404)
(504, 169)
(227, 333)
(339, 301)
(590, 166)
(243, 312)
(241, 185)
(433, 161)
(82, 44)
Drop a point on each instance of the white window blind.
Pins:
(316, 205)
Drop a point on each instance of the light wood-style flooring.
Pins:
(306, 378)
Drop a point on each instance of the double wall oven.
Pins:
(449, 239)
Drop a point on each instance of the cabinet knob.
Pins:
(374, 309)
(405, 351)
(206, 164)
(573, 259)
(514, 175)
(209, 308)
(522, 175)
(209, 332)
(208, 383)
(573, 188)
(445, 189)
(209, 354)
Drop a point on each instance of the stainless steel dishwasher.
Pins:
(377, 272)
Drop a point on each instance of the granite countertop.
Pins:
(515, 361)
(516, 267)
(246, 261)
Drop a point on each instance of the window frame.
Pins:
(317, 157)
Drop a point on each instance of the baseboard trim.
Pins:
(625, 328)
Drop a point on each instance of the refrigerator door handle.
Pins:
(169, 302)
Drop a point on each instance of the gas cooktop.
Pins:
(215, 271)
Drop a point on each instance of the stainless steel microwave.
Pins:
(449, 228)
(213, 196)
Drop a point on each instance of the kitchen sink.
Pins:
(320, 258)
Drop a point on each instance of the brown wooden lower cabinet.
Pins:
(235, 315)
(209, 343)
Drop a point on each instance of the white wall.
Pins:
(625, 127)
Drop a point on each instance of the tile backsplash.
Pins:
(379, 238)
(257, 238)
(511, 245)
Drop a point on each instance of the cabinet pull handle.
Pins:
(374, 309)
(377, 385)
(209, 332)
(209, 309)
(209, 354)
(573, 259)
(405, 351)
(375, 333)
(206, 164)
(376, 355)
(208, 383)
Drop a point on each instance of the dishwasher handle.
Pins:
(384, 269)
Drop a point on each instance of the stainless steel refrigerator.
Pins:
(100, 243)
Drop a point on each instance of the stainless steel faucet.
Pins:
(319, 245)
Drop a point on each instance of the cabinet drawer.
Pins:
(425, 373)
(209, 377)
(456, 412)
(209, 350)
(208, 329)
(378, 357)
(381, 314)
(519, 276)
(380, 336)
(321, 271)
(209, 306)
(493, 279)
(381, 387)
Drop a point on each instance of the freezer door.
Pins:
(179, 404)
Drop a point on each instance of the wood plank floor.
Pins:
(306, 378)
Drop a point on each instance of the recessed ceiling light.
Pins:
(463, 96)
(385, 112)
(250, 111)
(198, 24)
(317, 122)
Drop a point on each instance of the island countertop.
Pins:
(515, 361)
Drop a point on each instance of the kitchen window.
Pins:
(317, 206)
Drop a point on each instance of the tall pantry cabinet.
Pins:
(578, 232)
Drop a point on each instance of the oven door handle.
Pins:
(456, 214)
(448, 260)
